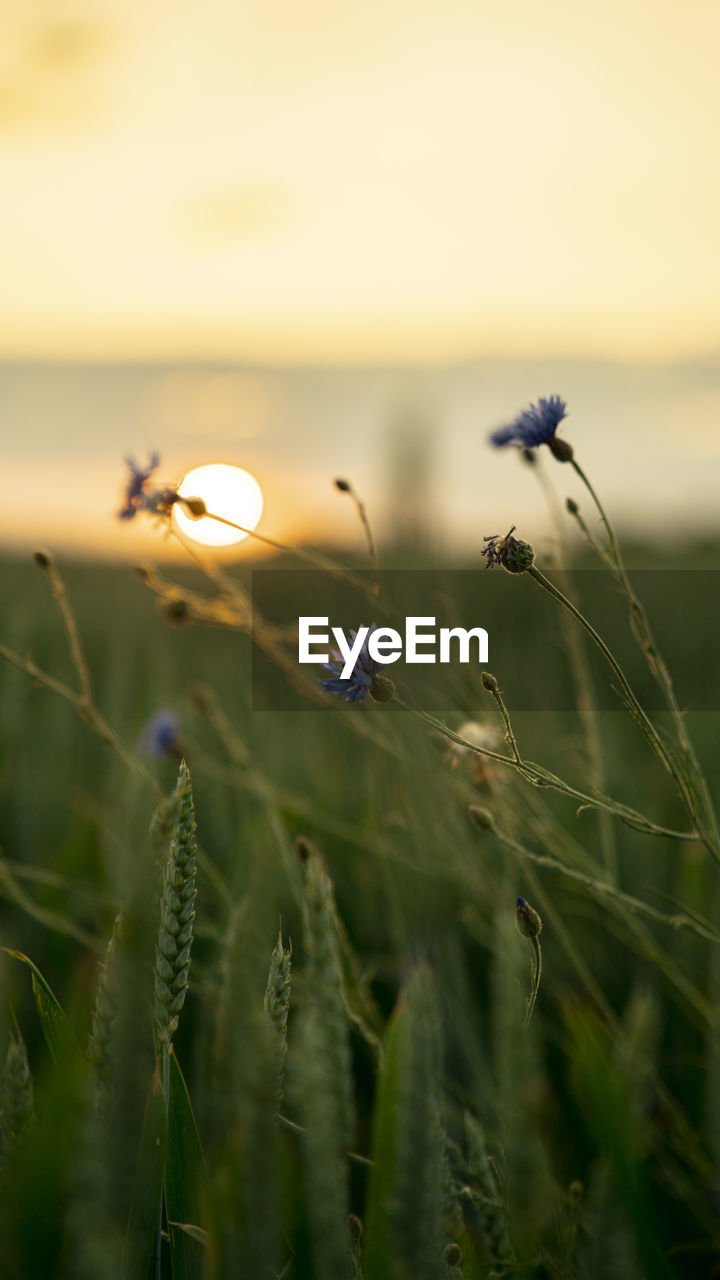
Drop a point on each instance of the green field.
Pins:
(413, 1097)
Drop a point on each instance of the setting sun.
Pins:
(228, 492)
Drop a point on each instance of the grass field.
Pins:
(407, 1090)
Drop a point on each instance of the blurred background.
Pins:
(328, 239)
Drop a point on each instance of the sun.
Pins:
(227, 491)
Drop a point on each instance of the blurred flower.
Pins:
(360, 680)
(511, 553)
(482, 771)
(157, 502)
(534, 426)
(477, 735)
(160, 736)
(135, 490)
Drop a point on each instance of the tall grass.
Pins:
(190, 1091)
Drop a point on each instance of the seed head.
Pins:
(512, 553)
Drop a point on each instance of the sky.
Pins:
(298, 236)
(340, 182)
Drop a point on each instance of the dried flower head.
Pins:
(136, 487)
(535, 426)
(512, 553)
(140, 497)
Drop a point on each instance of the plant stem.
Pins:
(637, 711)
(536, 974)
(582, 679)
(87, 711)
(541, 777)
(166, 1094)
(643, 633)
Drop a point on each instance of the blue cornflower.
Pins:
(363, 678)
(160, 736)
(535, 426)
(135, 490)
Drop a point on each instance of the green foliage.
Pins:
(405, 1197)
(185, 1181)
(17, 1099)
(330, 1126)
(277, 1003)
(320, 1084)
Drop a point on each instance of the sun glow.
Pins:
(228, 492)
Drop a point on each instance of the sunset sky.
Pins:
(237, 190)
(334, 181)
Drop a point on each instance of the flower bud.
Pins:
(572, 506)
(382, 689)
(481, 818)
(527, 919)
(452, 1253)
(560, 449)
(175, 612)
(304, 849)
(196, 507)
(342, 486)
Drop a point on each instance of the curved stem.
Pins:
(303, 553)
(632, 703)
(582, 678)
(643, 633)
(541, 777)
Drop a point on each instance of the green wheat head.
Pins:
(17, 1099)
(177, 916)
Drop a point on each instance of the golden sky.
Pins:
(332, 182)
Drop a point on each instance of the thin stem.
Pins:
(541, 777)
(362, 513)
(631, 701)
(303, 553)
(87, 711)
(702, 928)
(643, 633)
(166, 1095)
(491, 685)
(535, 975)
(590, 536)
(69, 621)
(612, 540)
(582, 679)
